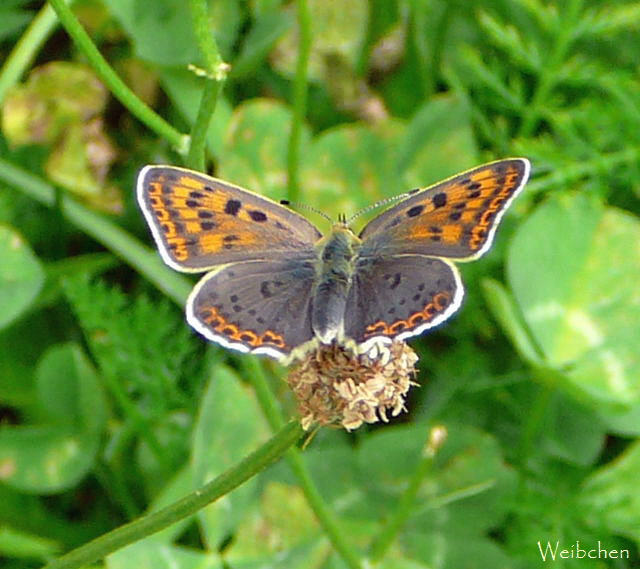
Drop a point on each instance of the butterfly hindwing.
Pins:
(456, 218)
(200, 222)
(256, 306)
(399, 296)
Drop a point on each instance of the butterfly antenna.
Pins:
(381, 203)
(300, 205)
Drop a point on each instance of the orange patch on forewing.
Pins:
(188, 183)
(452, 233)
(212, 317)
(210, 242)
(437, 305)
(481, 229)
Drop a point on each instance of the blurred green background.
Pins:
(110, 405)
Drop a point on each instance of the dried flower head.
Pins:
(334, 386)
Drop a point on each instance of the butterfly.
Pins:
(276, 286)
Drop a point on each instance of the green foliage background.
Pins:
(111, 407)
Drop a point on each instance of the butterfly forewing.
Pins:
(456, 218)
(199, 222)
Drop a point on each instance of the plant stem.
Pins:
(216, 74)
(323, 513)
(406, 504)
(187, 506)
(125, 95)
(24, 52)
(299, 99)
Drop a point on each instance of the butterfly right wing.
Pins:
(398, 297)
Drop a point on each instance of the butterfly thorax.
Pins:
(337, 254)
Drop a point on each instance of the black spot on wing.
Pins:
(440, 200)
(258, 216)
(415, 210)
(232, 207)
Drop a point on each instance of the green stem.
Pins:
(320, 508)
(299, 99)
(25, 50)
(187, 506)
(125, 95)
(407, 502)
(103, 230)
(216, 74)
(196, 157)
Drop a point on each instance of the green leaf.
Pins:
(162, 33)
(338, 28)
(69, 390)
(611, 498)
(574, 266)
(45, 460)
(255, 150)
(147, 554)
(21, 276)
(438, 143)
(229, 426)
(505, 311)
(350, 167)
(268, 28)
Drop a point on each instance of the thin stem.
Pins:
(323, 513)
(215, 73)
(299, 99)
(25, 50)
(103, 230)
(406, 504)
(210, 94)
(125, 95)
(187, 506)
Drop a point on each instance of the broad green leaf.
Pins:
(268, 529)
(610, 495)
(162, 33)
(350, 167)
(338, 28)
(69, 390)
(438, 143)
(267, 29)
(504, 309)
(21, 276)
(450, 551)
(574, 266)
(45, 460)
(229, 427)
(147, 554)
(255, 149)
(571, 431)
(465, 491)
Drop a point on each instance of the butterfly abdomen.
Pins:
(337, 253)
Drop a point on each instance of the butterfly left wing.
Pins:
(199, 222)
(398, 297)
(456, 218)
